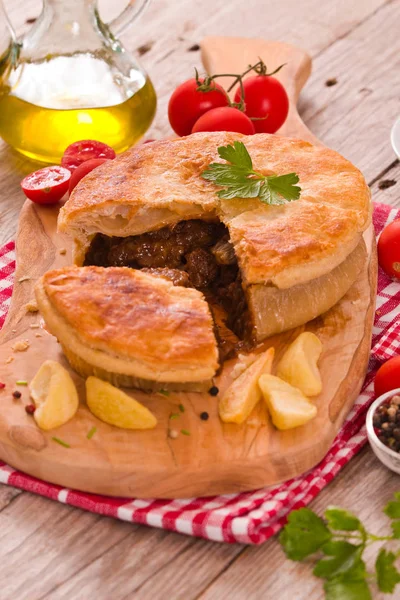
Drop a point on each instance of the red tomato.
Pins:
(389, 249)
(79, 152)
(46, 186)
(265, 96)
(187, 104)
(83, 169)
(388, 376)
(224, 119)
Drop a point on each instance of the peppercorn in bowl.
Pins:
(383, 429)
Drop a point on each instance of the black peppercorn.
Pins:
(213, 391)
(17, 394)
(204, 416)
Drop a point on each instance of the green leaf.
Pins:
(396, 529)
(304, 534)
(225, 174)
(241, 190)
(343, 557)
(240, 181)
(236, 155)
(344, 587)
(284, 185)
(342, 520)
(269, 197)
(392, 509)
(387, 574)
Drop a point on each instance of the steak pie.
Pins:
(130, 328)
(264, 268)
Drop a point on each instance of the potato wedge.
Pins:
(244, 393)
(54, 395)
(113, 406)
(298, 366)
(287, 405)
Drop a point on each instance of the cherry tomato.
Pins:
(388, 376)
(265, 96)
(83, 169)
(79, 152)
(186, 105)
(389, 249)
(224, 119)
(46, 186)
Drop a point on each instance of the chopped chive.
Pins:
(61, 442)
(164, 392)
(181, 408)
(21, 382)
(174, 415)
(185, 432)
(91, 433)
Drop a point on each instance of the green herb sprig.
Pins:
(340, 540)
(239, 179)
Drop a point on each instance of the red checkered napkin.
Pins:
(251, 517)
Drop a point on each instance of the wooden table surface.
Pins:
(49, 550)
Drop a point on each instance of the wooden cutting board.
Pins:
(215, 458)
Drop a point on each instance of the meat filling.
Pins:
(192, 253)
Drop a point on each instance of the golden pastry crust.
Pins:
(157, 184)
(129, 322)
(273, 310)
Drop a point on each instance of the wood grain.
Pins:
(170, 29)
(215, 458)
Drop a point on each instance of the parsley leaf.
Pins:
(241, 181)
(392, 509)
(343, 556)
(345, 587)
(342, 520)
(387, 574)
(237, 155)
(304, 534)
(342, 539)
(396, 529)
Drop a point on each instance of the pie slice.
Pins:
(270, 268)
(130, 328)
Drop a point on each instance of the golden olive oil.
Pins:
(43, 133)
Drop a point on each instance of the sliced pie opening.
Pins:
(193, 253)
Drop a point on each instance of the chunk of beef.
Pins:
(201, 267)
(146, 251)
(197, 234)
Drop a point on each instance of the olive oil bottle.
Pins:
(70, 79)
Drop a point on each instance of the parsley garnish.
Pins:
(91, 433)
(340, 540)
(61, 442)
(239, 180)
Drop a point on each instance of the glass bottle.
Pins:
(69, 78)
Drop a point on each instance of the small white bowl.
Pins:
(395, 137)
(388, 457)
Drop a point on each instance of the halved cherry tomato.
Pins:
(389, 249)
(265, 96)
(83, 169)
(224, 119)
(388, 376)
(46, 186)
(187, 104)
(79, 152)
